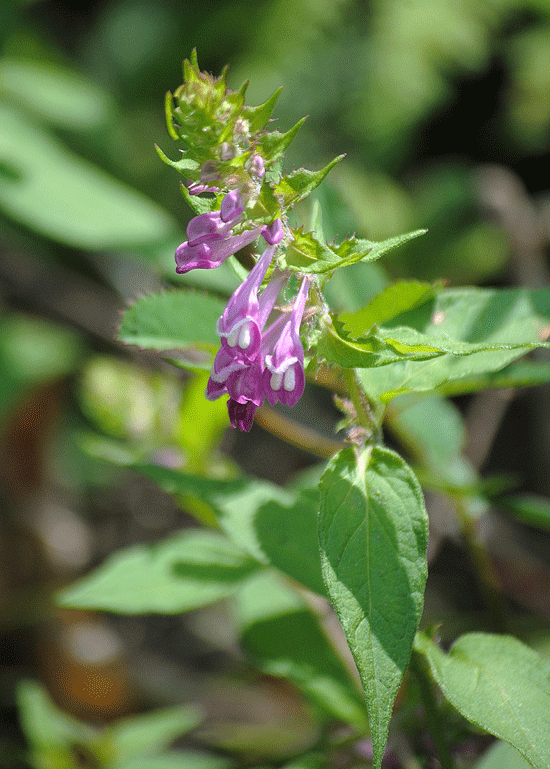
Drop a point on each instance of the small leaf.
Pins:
(531, 509)
(182, 573)
(273, 144)
(373, 531)
(258, 117)
(354, 249)
(498, 684)
(305, 253)
(298, 184)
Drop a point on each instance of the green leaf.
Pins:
(192, 569)
(498, 684)
(354, 249)
(483, 330)
(60, 96)
(273, 144)
(283, 638)
(524, 374)
(373, 531)
(273, 525)
(54, 192)
(501, 755)
(298, 184)
(529, 508)
(173, 320)
(258, 117)
(392, 301)
(141, 735)
(307, 254)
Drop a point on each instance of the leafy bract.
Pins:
(182, 573)
(499, 684)
(273, 525)
(283, 638)
(373, 536)
(298, 184)
(172, 321)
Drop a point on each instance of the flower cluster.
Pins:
(257, 360)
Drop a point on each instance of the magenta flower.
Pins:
(273, 233)
(283, 376)
(240, 326)
(241, 415)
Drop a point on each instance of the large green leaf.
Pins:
(192, 569)
(373, 531)
(174, 321)
(283, 638)
(481, 330)
(54, 192)
(273, 525)
(499, 684)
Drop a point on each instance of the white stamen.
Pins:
(245, 337)
(276, 381)
(289, 381)
(233, 336)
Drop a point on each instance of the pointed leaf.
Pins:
(354, 249)
(373, 534)
(499, 684)
(272, 145)
(258, 116)
(182, 573)
(273, 525)
(298, 184)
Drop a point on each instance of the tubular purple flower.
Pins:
(283, 376)
(240, 325)
(241, 415)
(207, 228)
(232, 206)
(225, 364)
(208, 255)
(273, 233)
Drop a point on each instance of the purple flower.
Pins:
(241, 415)
(209, 240)
(225, 364)
(273, 233)
(283, 376)
(240, 326)
(207, 255)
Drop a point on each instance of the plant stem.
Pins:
(481, 563)
(366, 416)
(431, 708)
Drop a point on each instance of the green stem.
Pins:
(366, 416)
(433, 717)
(481, 563)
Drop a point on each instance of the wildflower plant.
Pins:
(357, 540)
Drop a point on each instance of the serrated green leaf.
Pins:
(192, 569)
(258, 117)
(354, 249)
(305, 253)
(373, 531)
(392, 301)
(298, 184)
(273, 525)
(272, 145)
(173, 320)
(483, 330)
(283, 638)
(186, 166)
(498, 684)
